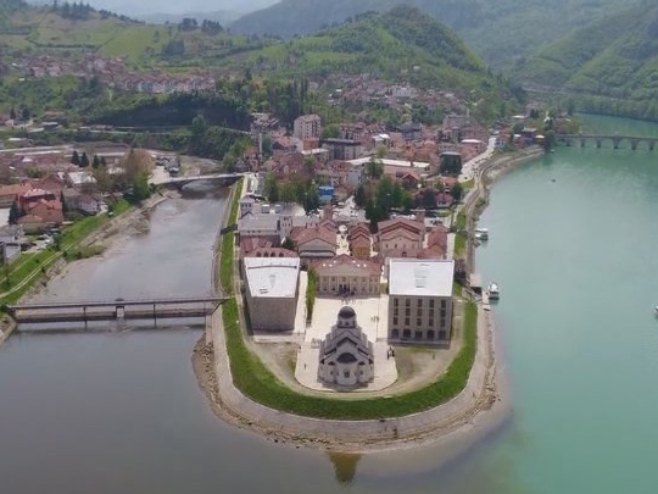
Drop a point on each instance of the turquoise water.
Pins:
(574, 247)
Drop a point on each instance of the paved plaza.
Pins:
(372, 316)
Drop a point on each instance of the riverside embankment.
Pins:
(478, 409)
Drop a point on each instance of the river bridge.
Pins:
(116, 310)
(180, 182)
(601, 140)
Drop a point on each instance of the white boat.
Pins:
(494, 291)
(482, 233)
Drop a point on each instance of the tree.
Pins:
(271, 188)
(289, 244)
(12, 113)
(75, 158)
(288, 193)
(549, 140)
(374, 168)
(96, 162)
(360, 196)
(25, 114)
(14, 213)
(84, 160)
(141, 189)
(428, 199)
(457, 191)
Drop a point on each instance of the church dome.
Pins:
(346, 313)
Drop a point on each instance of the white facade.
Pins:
(347, 275)
(272, 286)
(420, 300)
(307, 127)
(346, 355)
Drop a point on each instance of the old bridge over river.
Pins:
(605, 140)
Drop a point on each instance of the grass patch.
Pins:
(460, 245)
(461, 221)
(227, 257)
(457, 290)
(33, 264)
(469, 184)
(311, 293)
(257, 382)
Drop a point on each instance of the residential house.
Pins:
(10, 193)
(41, 215)
(11, 239)
(437, 240)
(400, 238)
(420, 300)
(411, 131)
(76, 201)
(360, 241)
(313, 243)
(307, 127)
(265, 226)
(343, 149)
(345, 275)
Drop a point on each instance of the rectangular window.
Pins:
(444, 304)
(407, 303)
(418, 322)
(407, 312)
(395, 321)
(396, 312)
(406, 321)
(431, 303)
(431, 324)
(419, 303)
(395, 302)
(431, 313)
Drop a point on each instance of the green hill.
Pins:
(612, 66)
(67, 29)
(385, 45)
(502, 32)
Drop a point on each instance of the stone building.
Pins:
(420, 300)
(272, 288)
(346, 355)
(345, 275)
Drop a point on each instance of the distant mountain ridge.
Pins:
(612, 65)
(502, 32)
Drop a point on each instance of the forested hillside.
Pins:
(611, 66)
(502, 32)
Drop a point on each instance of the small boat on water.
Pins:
(656, 309)
(494, 291)
(482, 233)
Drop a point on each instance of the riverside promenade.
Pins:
(350, 435)
(457, 423)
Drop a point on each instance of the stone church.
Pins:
(346, 355)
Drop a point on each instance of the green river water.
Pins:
(573, 247)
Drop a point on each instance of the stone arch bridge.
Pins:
(615, 141)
